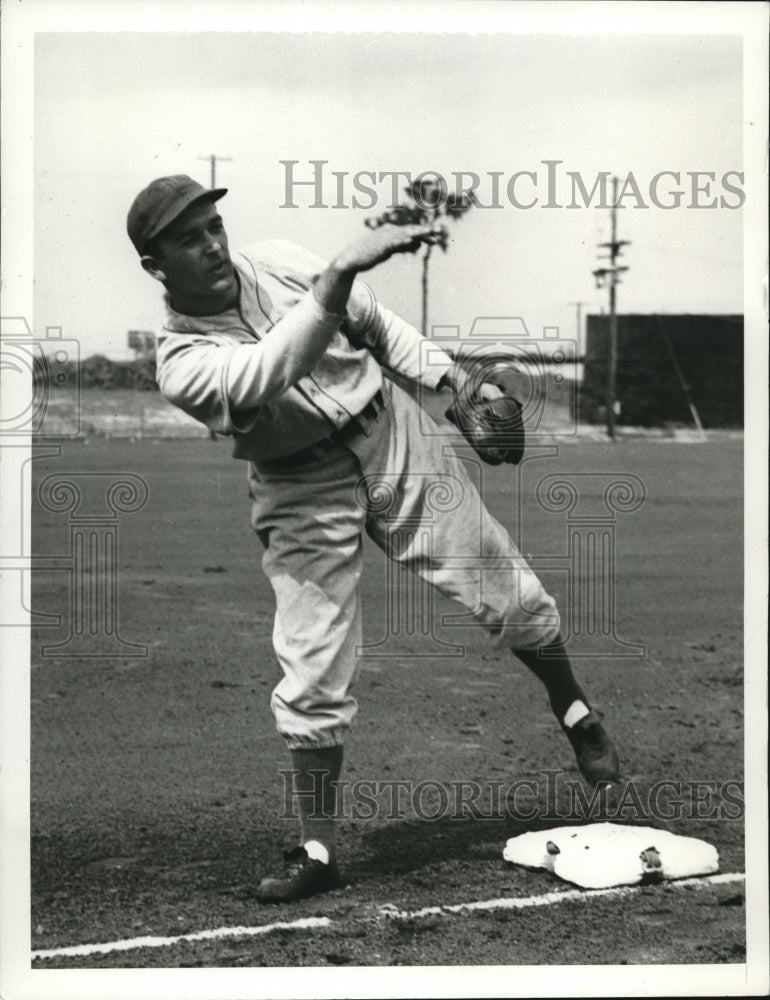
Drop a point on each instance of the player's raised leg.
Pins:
(595, 752)
(472, 559)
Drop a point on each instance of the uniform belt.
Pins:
(356, 425)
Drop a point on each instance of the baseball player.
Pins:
(286, 354)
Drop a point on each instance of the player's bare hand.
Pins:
(490, 391)
(380, 244)
(455, 378)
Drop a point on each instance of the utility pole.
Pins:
(579, 327)
(610, 276)
(212, 158)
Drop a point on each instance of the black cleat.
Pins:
(596, 755)
(303, 876)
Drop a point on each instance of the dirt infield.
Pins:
(156, 798)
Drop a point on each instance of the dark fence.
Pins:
(664, 363)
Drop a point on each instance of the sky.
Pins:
(113, 110)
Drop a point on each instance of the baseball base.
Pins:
(602, 855)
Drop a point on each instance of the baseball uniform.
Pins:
(335, 450)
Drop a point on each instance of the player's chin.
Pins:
(222, 278)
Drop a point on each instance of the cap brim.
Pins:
(214, 194)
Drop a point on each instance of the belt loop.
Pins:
(370, 413)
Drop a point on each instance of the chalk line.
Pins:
(128, 944)
(549, 898)
(387, 910)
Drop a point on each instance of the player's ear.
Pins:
(152, 267)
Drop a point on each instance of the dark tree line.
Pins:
(99, 372)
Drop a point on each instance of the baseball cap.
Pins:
(161, 202)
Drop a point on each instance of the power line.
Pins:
(681, 378)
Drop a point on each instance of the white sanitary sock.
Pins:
(316, 850)
(578, 710)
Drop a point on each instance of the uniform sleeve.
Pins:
(395, 343)
(218, 384)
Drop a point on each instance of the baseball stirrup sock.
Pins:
(554, 670)
(315, 794)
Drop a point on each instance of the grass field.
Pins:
(155, 789)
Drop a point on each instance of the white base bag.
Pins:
(601, 855)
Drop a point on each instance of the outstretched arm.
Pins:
(333, 287)
(209, 382)
(259, 372)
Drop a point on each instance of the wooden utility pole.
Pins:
(212, 158)
(425, 259)
(579, 327)
(611, 276)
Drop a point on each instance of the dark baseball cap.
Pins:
(161, 202)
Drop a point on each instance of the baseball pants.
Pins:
(408, 490)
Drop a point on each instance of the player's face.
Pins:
(193, 261)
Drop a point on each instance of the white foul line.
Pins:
(308, 923)
(549, 898)
(166, 942)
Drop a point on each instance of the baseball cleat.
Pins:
(302, 877)
(595, 752)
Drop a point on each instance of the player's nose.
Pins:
(214, 243)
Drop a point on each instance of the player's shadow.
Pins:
(409, 845)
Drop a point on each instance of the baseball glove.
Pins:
(494, 428)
